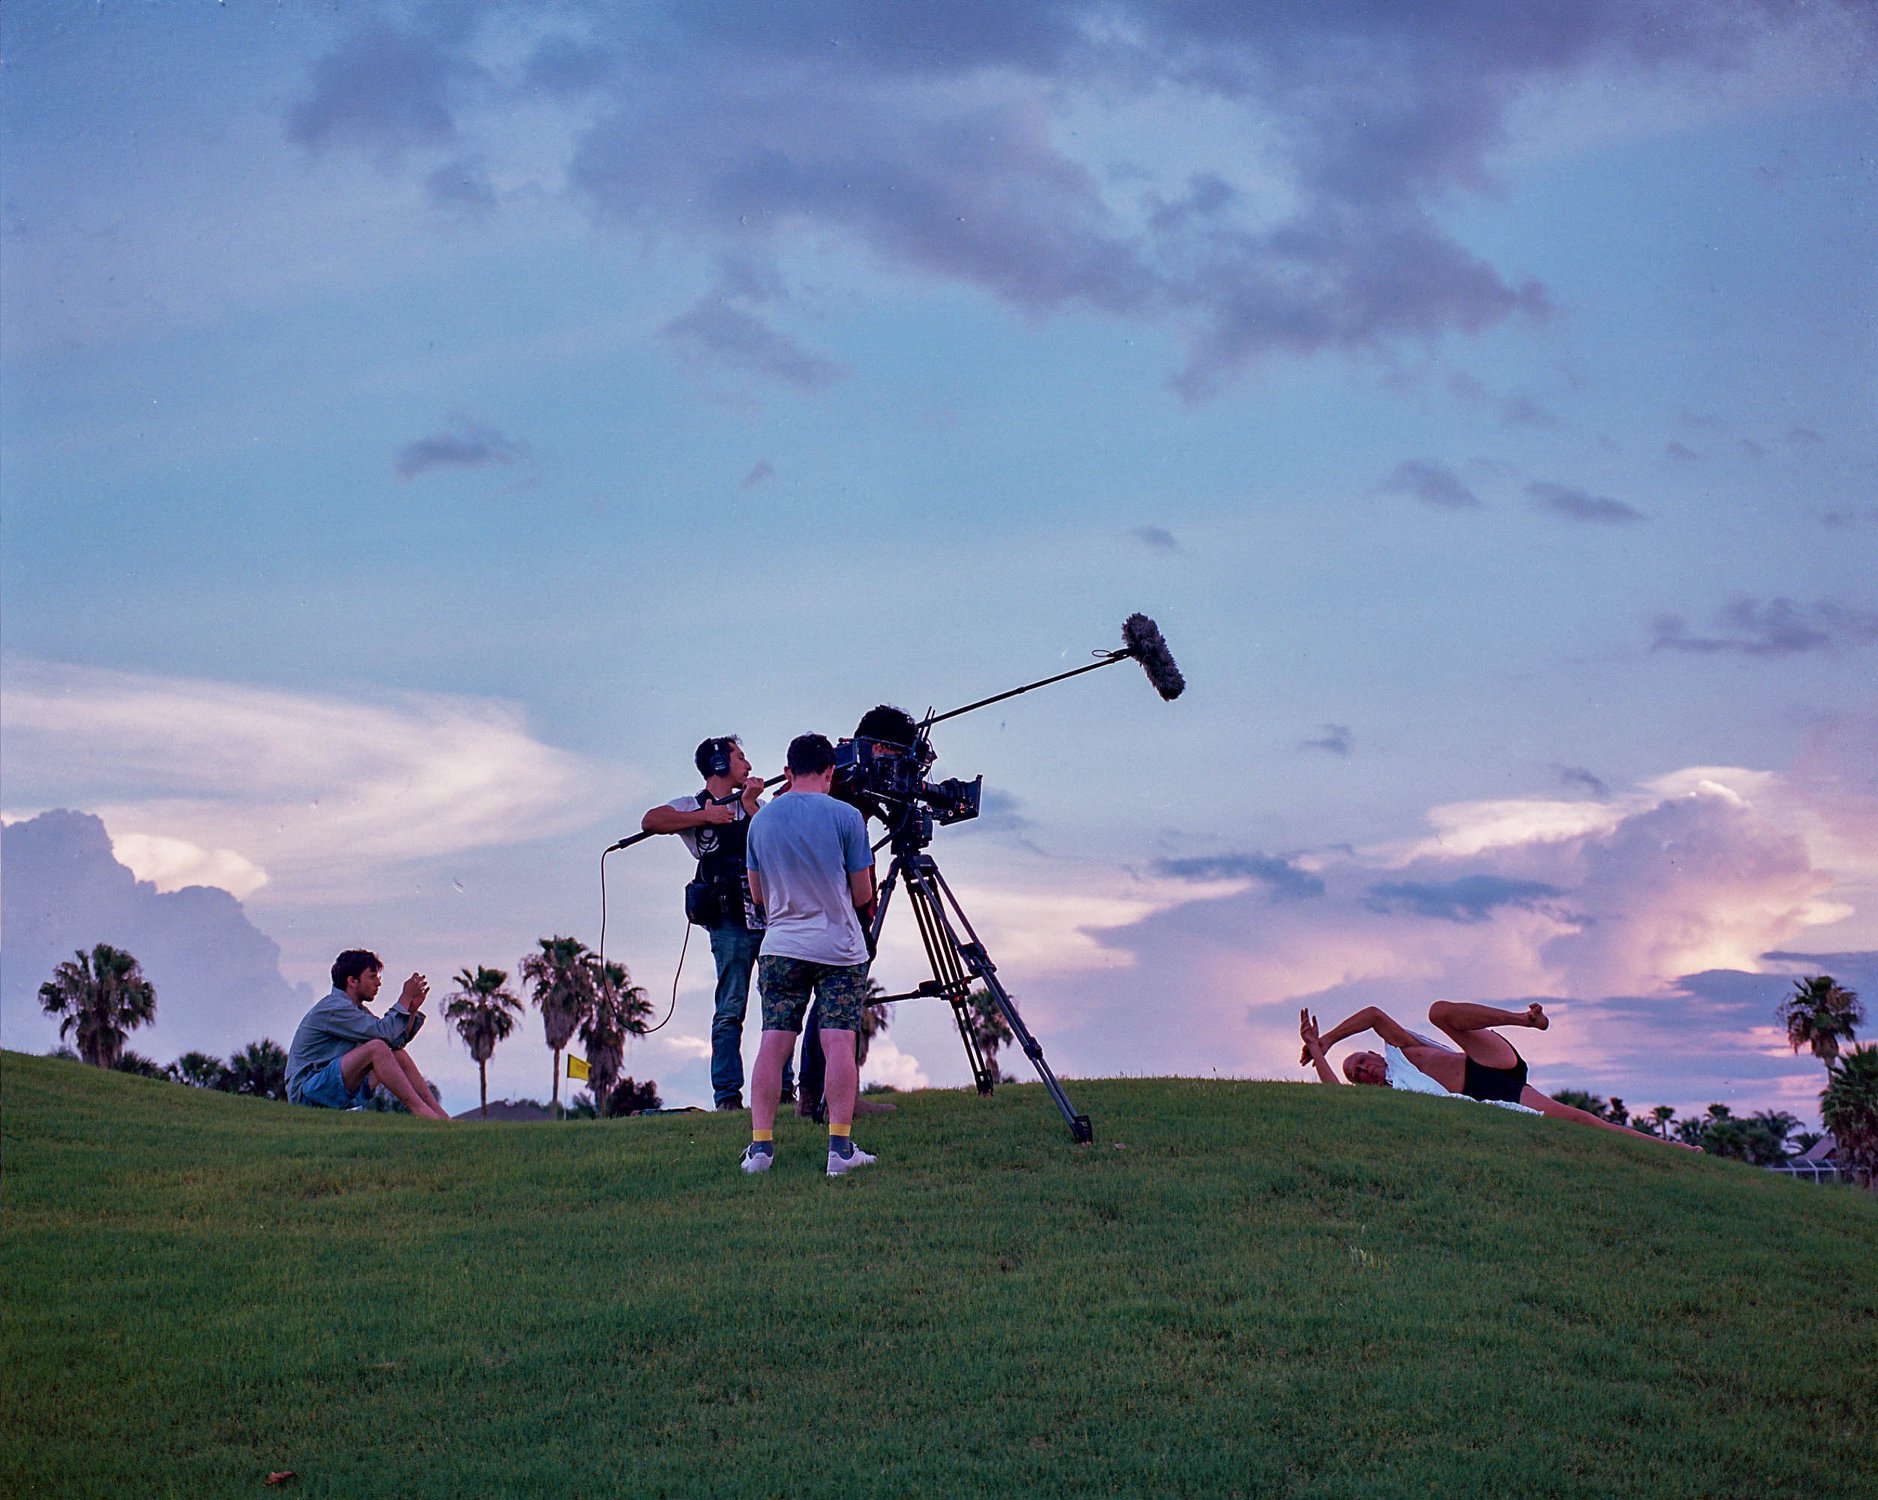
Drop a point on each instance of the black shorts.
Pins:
(1502, 1084)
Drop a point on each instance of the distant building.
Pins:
(1815, 1164)
(508, 1109)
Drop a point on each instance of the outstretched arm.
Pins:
(1371, 1019)
(1314, 1047)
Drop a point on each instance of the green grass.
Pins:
(1253, 1289)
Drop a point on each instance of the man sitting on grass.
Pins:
(1487, 1067)
(341, 1049)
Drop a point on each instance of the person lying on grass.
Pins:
(1487, 1067)
(341, 1049)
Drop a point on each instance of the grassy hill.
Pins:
(1252, 1289)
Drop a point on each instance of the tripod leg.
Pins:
(925, 880)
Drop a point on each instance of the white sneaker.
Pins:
(840, 1164)
(755, 1160)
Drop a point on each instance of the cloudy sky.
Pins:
(424, 422)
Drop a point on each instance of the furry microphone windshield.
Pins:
(1142, 638)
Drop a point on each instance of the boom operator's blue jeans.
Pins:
(734, 950)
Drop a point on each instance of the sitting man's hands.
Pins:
(412, 997)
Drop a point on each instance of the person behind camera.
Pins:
(809, 860)
(715, 824)
(893, 730)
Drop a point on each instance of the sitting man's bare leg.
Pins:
(388, 1067)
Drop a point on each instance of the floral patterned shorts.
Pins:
(785, 984)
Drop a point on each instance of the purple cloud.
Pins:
(1777, 628)
(385, 91)
(1472, 898)
(1283, 879)
(721, 333)
(1577, 505)
(1335, 740)
(1431, 483)
(936, 140)
(469, 446)
(1578, 778)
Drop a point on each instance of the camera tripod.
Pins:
(956, 964)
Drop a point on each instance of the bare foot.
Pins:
(1535, 1016)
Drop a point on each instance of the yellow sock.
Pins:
(762, 1137)
(834, 1129)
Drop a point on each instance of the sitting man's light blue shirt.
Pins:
(336, 1025)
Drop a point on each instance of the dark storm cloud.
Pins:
(469, 445)
(932, 138)
(1283, 879)
(1576, 505)
(1777, 628)
(1431, 483)
(1472, 898)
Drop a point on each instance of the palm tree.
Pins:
(629, 1095)
(483, 1011)
(1819, 1014)
(1849, 1109)
(989, 1030)
(199, 1070)
(620, 1009)
(259, 1069)
(561, 986)
(1663, 1114)
(874, 1020)
(101, 996)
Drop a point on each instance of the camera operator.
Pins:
(891, 728)
(715, 824)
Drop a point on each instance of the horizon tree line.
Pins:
(101, 996)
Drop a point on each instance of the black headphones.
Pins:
(714, 757)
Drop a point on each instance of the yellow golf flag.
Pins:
(577, 1067)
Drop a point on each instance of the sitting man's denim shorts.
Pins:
(326, 1089)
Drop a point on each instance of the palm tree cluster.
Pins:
(575, 993)
(1820, 1015)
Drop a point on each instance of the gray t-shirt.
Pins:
(803, 847)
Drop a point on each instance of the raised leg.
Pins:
(1467, 1025)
